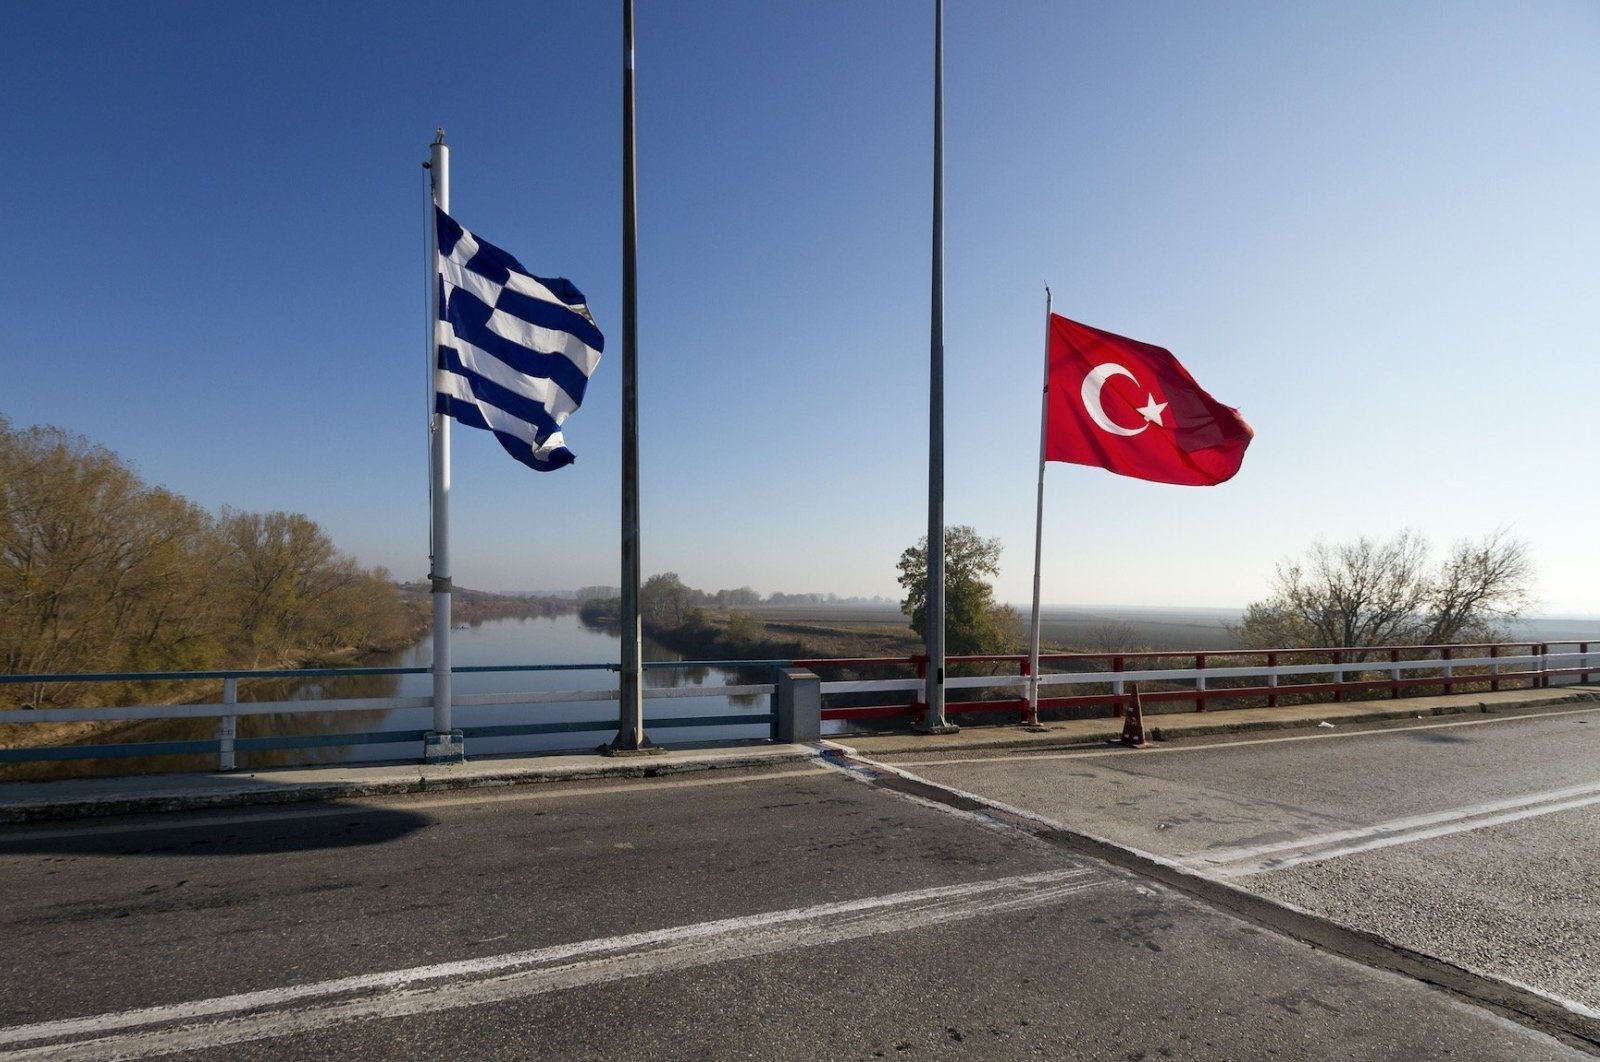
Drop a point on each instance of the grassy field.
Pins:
(885, 630)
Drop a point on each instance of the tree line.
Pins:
(101, 572)
(1361, 594)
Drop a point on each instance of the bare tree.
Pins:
(1371, 593)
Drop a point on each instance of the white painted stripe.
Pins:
(302, 1008)
(1401, 825)
(499, 420)
(541, 389)
(1384, 835)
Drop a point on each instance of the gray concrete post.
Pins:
(799, 706)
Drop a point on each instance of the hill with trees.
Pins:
(101, 572)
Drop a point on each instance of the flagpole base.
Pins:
(620, 748)
(443, 746)
(937, 728)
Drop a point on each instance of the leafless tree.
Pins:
(1371, 593)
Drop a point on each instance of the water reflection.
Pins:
(547, 640)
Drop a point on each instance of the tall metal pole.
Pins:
(1032, 721)
(443, 743)
(630, 722)
(933, 689)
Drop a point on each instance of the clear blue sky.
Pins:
(1371, 227)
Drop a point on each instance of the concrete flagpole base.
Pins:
(443, 747)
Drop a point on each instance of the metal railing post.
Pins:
(1338, 675)
(1200, 682)
(1394, 673)
(1272, 679)
(1494, 668)
(1118, 686)
(227, 726)
(1445, 654)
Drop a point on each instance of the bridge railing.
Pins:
(1087, 683)
(862, 693)
(225, 742)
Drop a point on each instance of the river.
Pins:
(561, 639)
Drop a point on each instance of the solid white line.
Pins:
(1167, 749)
(297, 1009)
(1401, 825)
(1380, 836)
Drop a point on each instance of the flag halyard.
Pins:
(516, 350)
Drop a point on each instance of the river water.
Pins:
(563, 639)
(543, 640)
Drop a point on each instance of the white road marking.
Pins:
(297, 1009)
(1258, 859)
(1243, 742)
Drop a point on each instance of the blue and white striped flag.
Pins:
(516, 350)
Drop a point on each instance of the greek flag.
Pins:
(516, 351)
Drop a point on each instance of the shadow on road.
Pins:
(235, 836)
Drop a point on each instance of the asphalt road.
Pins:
(1476, 840)
(789, 915)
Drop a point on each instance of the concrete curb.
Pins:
(22, 802)
(1175, 726)
(1562, 1019)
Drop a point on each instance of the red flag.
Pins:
(1131, 408)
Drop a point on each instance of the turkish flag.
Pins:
(1131, 408)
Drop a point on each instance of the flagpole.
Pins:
(933, 720)
(1032, 720)
(630, 715)
(443, 743)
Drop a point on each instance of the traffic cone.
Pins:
(1133, 721)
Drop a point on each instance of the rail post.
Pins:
(1394, 673)
(1494, 667)
(1117, 664)
(799, 706)
(1200, 682)
(227, 726)
(1272, 679)
(1338, 675)
(1445, 655)
(1583, 662)
(1030, 705)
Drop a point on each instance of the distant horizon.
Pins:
(1024, 607)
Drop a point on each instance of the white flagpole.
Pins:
(443, 743)
(1032, 721)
